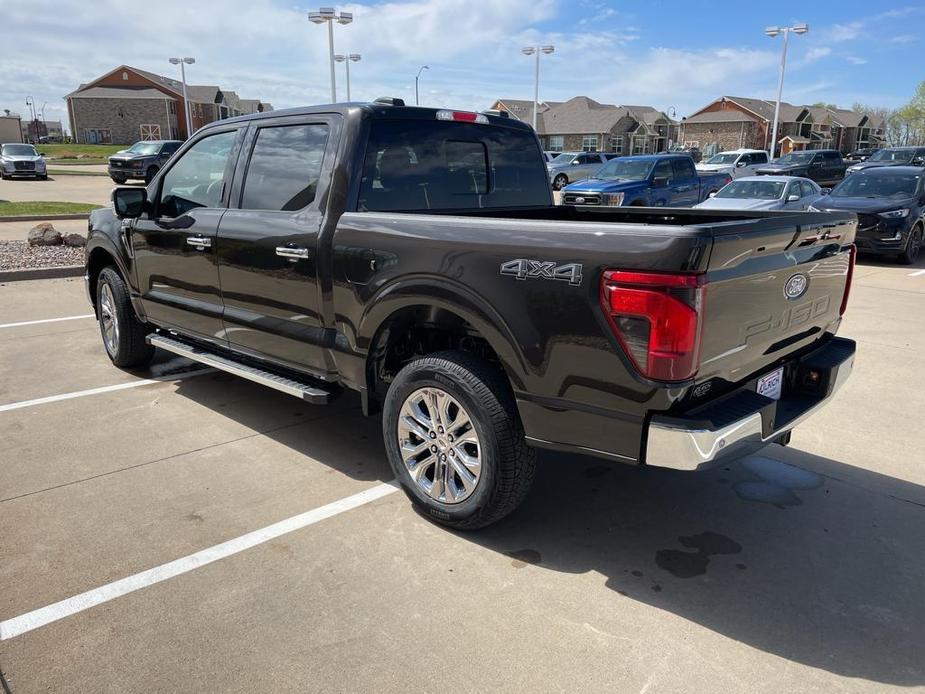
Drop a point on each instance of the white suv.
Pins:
(735, 162)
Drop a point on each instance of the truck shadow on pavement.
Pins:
(802, 557)
(814, 561)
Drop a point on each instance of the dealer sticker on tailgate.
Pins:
(770, 385)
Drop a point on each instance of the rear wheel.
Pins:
(119, 180)
(559, 182)
(913, 247)
(150, 173)
(123, 334)
(455, 441)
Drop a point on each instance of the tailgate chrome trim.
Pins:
(684, 448)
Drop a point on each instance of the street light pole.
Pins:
(329, 15)
(773, 32)
(535, 51)
(347, 59)
(183, 62)
(30, 102)
(417, 101)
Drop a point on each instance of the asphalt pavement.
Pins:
(178, 530)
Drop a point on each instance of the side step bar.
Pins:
(312, 394)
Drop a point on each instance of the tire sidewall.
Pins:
(115, 286)
(425, 374)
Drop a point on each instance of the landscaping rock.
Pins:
(74, 240)
(44, 234)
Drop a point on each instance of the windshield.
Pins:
(625, 170)
(723, 159)
(144, 148)
(19, 151)
(796, 158)
(902, 155)
(753, 190)
(563, 158)
(862, 185)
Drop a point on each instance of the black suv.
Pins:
(142, 160)
(891, 156)
(890, 204)
(824, 166)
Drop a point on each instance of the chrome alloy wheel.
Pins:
(439, 446)
(109, 325)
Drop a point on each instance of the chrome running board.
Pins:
(309, 393)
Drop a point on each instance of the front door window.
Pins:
(198, 177)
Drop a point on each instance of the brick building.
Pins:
(732, 122)
(128, 104)
(583, 124)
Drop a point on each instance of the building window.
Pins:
(174, 133)
(616, 145)
(150, 132)
(556, 143)
(125, 76)
(172, 107)
(98, 136)
(639, 144)
(589, 143)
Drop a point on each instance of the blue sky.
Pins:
(663, 53)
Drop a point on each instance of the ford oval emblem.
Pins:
(796, 286)
(579, 200)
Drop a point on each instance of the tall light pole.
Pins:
(30, 102)
(347, 59)
(773, 32)
(417, 77)
(536, 50)
(183, 62)
(329, 15)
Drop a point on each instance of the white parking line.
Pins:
(46, 320)
(103, 389)
(84, 601)
(917, 273)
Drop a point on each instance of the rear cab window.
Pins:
(416, 165)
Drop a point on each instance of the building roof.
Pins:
(789, 113)
(729, 116)
(522, 109)
(795, 140)
(203, 94)
(580, 115)
(119, 93)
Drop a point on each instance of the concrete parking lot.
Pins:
(60, 188)
(799, 569)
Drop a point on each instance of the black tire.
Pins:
(559, 182)
(913, 247)
(507, 463)
(126, 347)
(43, 177)
(118, 180)
(150, 173)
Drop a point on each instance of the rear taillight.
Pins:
(657, 318)
(852, 255)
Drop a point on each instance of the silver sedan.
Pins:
(765, 193)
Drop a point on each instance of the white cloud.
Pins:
(855, 60)
(843, 32)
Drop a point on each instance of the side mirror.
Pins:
(712, 194)
(740, 164)
(659, 181)
(825, 191)
(793, 198)
(574, 162)
(128, 202)
(41, 154)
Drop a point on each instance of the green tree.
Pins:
(904, 125)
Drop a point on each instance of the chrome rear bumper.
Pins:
(690, 442)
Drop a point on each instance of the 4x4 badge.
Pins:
(523, 269)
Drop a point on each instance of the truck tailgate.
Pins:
(772, 289)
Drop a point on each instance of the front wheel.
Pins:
(150, 174)
(123, 334)
(559, 182)
(913, 247)
(118, 180)
(455, 441)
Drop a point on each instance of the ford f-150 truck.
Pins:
(653, 180)
(415, 256)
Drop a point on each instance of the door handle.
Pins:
(200, 242)
(292, 252)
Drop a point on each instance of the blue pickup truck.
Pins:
(651, 180)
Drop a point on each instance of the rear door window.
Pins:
(414, 164)
(683, 169)
(284, 167)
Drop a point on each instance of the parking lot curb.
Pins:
(42, 273)
(44, 217)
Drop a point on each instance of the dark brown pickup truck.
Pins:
(415, 256)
